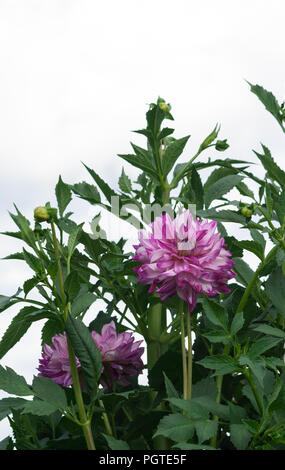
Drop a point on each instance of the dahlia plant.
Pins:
(173, 340)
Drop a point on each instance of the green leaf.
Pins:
(116, 444)
(74, 239)
(197, 188)
(191, 407)
(270, 330)
(240, 436)
(142, 163)
(27, 233)
(221, 187)
(216, 313)
(125, 184)
(51, 328)
(262, 345)
(221, 363)
(217, 336)
(205, 429)
(16, 330)
(244, 190)
(72, 285)
(251, 246)
(34, 262)
(210, 138)
(102, 185)
(82, 302)
(169, 387)
(270, 102)
(237, 323)
(13, 383)
(49, 391)
(271, 167)
(86, 351)
(39, 408)
(87, 191)
(6, 301)
(244, 272)
(172, 153)
(222, 216)
(63, 195)
(164, 133)
(30, 284)
(275, 288)
(176, 427)
(187, 446)
(9, 404)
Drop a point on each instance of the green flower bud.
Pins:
(246, 212)
(221, 145)
(164, 107)
(41, 214)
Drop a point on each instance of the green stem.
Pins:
(84, 422)
(189, 370)
(183, 349)
(254, 390)
(154, 317)
(106, 419)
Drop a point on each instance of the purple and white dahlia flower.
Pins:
(120, 354)
(183, 256)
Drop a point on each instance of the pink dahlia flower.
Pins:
(121, 358)
(184, 257)
(55, 361)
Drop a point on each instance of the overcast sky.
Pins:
(77, 75)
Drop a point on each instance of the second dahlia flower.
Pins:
(120, 354)
(183, 256)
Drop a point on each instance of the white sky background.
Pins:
(76, 77)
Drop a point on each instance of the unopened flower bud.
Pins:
(41, 214)
(246, 212)
(164, 107)
(221, 145)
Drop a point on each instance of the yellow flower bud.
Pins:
(164, 107)
(41, 214)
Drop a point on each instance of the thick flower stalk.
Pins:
(120, 354)
(183, 256)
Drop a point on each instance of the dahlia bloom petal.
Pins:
(183, 256)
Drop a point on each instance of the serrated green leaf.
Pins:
(74, 239)
(38, 408)
(237, 323)
(63, 195)
(205, 429)
(275, 288)
(49, 391)
(102, 185)
(187, 446)
(251, 246)
(143, 164)
(222, 216)
(270, 166)
(13, 383)
(221, 187)
(72, 285)
(116, 444)
(16, 330)
(221, 363)
(87, 191)
(240, 436)
(193, 409)
(216, 313)
(262, 345)
(34, 262)
(9, 404)
(86, 351)
(175, 426)
(270, 330)
(82, 303)
(269, 101)
(244, 190)
(27, 233)
(217, 336)
(125, 184)
(172, 153)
